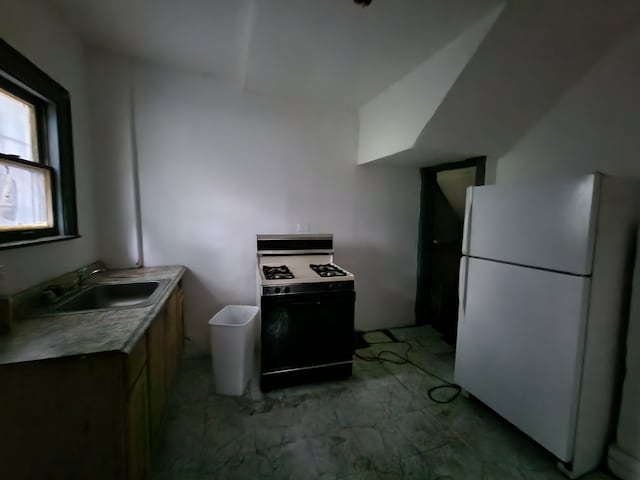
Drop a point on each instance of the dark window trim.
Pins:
(55, 151)
(37, 241)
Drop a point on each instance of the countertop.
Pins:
(84, 333)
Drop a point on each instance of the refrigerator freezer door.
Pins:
(519, 347)
(547, 225)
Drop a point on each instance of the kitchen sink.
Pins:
(112, 295)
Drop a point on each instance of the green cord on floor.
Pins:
(403, 360)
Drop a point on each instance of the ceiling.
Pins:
(321, 50)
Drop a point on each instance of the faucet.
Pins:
(96, 270)
(52, 294)
(55, 292)
(82, 276)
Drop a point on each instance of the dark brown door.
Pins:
(441, 227)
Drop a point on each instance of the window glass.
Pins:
(17, 127)
(25, 196)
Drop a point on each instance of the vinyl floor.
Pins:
(377, 425)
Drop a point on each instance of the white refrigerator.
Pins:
(544, 283)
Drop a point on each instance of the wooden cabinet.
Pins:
(173, 333)
(62, 419)
(92, 416)
(164, 347)
(179, 294)
(156, 356)
(138, 450)
(137, 446)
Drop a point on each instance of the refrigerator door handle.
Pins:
(462, 288)
(466, 232)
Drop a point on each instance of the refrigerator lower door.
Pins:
(519, 346)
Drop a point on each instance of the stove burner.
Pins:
(327, 270)
(276, 273)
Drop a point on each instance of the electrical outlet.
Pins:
(304, 227)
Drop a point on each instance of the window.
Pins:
(37, 191)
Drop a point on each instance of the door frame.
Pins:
(428, 177)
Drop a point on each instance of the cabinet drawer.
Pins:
(135, 361)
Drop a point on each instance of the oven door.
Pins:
(307, 330)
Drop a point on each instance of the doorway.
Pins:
(440, 241)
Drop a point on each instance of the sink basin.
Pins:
(111, 295)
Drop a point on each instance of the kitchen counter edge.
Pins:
(92, 332)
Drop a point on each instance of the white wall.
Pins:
(36, 31)
(594, 127)
(115, 188)
(218, 166)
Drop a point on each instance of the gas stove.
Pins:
(289, 264)
(307, 304)
(282, 272)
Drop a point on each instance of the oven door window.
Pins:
(307, 330)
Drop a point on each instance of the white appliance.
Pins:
(542, 301)
(624, 455)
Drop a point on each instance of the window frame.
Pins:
(22, 78)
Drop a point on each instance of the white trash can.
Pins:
(233, 340)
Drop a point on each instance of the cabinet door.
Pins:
(174, 333)
(157, 375)
(171, 338)
(138, 451)
(179, 318)
(62, 419)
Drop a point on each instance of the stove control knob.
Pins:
(276, 290)
(287, 289)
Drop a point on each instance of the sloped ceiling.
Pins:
(323, 50)
(534, 53)
(391, 122)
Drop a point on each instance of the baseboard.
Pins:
(622, 464)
